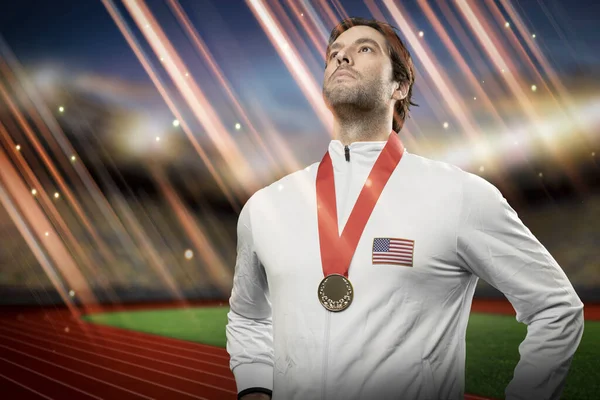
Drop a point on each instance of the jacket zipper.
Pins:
(328, 315)
(325, 353)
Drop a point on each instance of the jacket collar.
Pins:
(362, 154)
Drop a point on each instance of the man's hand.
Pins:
(256, 396)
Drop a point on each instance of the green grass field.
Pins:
(492, 345)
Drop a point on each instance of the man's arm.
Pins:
(494, 244)
(249, 327)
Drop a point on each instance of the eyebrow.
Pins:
(358, 41)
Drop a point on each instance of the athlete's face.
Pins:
(358, 71)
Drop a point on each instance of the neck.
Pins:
(363, 129)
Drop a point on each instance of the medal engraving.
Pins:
(335, 292)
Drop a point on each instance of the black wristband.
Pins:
(255, 390)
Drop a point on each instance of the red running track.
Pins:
(46, 354)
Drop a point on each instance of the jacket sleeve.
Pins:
(494, 244)
(249, 326)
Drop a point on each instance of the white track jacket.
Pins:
(403, 336)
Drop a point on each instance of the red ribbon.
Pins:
(337, 251)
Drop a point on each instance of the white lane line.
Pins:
(128, 344)
(118, 330)
(69, 338)
(76, 372)
(26, 387)
(51, 379)
(114, 359)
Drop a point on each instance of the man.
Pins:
(354, 277)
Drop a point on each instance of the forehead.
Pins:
(357, 32)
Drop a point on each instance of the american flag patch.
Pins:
(393, 251)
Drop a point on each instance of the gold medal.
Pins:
(335, 292)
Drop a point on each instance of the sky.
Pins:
(81, 40)
(82, 34)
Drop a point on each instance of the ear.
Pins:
(400, 91)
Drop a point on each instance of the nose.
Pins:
(341, 57)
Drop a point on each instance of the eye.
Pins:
(332, 55)
(365, 47)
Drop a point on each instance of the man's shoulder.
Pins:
(428, 167)
(441, 174)
(293, 181)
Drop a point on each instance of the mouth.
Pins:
(342, 73)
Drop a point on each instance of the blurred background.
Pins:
(132, 132)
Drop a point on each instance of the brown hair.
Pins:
(402, 66)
